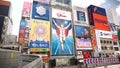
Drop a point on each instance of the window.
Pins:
(101, 41)
(111, 48)
(104, 41)
(107, 41)
(105, 47)
(110, 42)
(115, 43)
(116, 48)
(102, 48)
(64, 1)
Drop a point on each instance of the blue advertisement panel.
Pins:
(82, 31)
(23, 23)
(81, 16)
(39, 44)
(40, 11)
(62, 40)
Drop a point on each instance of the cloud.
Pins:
(118, 10)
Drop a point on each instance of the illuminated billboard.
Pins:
(40, 34)
(62, 38)
(26, 9)
(23, 23)
(82, 31)
(40, 11)
(97, 17)
(81, 16)
(82, 43)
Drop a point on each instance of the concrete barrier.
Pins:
(38, 63)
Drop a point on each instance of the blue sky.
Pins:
(17, 5)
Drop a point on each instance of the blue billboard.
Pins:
(40, 11)
(82, 31)
(81, 16)
(39, 44)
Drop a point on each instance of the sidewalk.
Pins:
(110, 66)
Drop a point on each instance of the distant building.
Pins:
(11, 39)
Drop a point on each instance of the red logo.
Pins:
(60, 15)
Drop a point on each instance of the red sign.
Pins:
(114, 38)
(100, 22)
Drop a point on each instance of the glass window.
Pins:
(101, 41)
(111, 48)
(104, 41)
(116, 48)
(107, 41)
(115, 43)
(110, 42)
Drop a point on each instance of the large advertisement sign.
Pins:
(40, 11)
(26, 9)
(81, 16)
(114, 38)
(82, 31)
(82, 43)
(118, 36)
(113, 28)
(62, 39)
(98, 18)
(43, 1)
(82, 39)
(40, 34)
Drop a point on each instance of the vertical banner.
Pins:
(40, 36)
(40, 11)
(22, 31)
(43, 1)
(62, 38)
(26, 9)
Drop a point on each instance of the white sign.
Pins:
(104, 34)
(61, 14)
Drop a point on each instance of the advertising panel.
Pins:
(101, 22)
(82, 43)
(81, 16)
(23, 23)
(40, 11)
(60, 14)
(113, 28)
(40, 34)
(98, 18)
(104, 34)
(39, 49)
(118, 36)
(22, 31)
(82, 31)
(93, 38)
(62, 39)
(43, 1)
(21, 39)
(26, 9)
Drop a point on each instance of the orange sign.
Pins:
(100, 22)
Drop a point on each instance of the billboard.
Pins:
(62, 38)
(40, 11)
(43, 1)
(81, 16)
(26, 9)
(40, 34)
(82, 31)
(113, 28)
(82, 43)
(97, 17)
(39, 49)
(93, 38)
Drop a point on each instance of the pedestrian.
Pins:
(118, 57)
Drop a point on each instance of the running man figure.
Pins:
(62, 32)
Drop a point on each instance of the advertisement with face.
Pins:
(43, 1)
(62, 39)
(82, 31)
(26, 9)
(40, 34)
(40, 11)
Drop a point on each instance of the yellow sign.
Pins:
(39, 49)
(40, 30)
